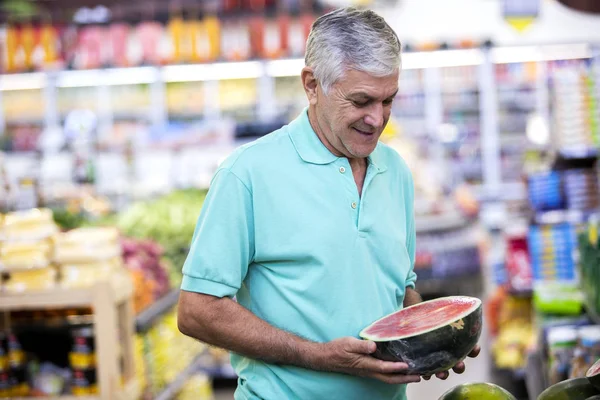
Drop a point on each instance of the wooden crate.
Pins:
(114, 329)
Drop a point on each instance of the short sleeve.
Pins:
(411, 234)
(223, 243)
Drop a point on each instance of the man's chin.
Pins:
(362, 152)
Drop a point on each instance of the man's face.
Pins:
(353, 114)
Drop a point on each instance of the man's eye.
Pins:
(388, 102)
(360, 103)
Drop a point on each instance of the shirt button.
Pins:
(354, 205)
(342, 170)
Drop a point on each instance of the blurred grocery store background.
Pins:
(114, 115)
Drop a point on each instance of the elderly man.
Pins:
(312, 228)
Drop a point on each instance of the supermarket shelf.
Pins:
(576, 153)
(171, 391)
(146, 318)
(560, 216)
(53, 324)
(279, 68)
(61, 398)
(471, 283)
(131, 391)
(65, 297)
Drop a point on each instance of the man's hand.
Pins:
(353, 356)
(458, 368)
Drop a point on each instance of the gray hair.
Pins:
(349, 38)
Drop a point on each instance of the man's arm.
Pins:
(224, 323)
(411, 297)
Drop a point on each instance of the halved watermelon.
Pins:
(593, 374)
(431, 336)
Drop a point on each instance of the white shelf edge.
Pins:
(283, 67)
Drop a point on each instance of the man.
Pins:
(312, 228)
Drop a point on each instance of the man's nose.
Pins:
(375, 116)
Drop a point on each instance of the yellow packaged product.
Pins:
(83, 275)
(87, 245)
(198, 387)
(25, 254)
(31, 216)
(31, 279)
(84, 236)
(34, 224)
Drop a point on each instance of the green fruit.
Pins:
(571, 389)
(477, 391)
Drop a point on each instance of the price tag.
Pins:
(520, 14)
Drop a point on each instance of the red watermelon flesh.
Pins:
(431, 336)
(593, 374)
(421, 318)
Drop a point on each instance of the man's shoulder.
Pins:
(261, 151)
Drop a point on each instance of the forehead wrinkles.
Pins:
(377, 88)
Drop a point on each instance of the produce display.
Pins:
(167, 352)
(593, 374)
(199, 387)
(169, 221)
(431, 336)
(143, 259)
(78, 257)
(477, 391)
(87, 255)
(571, 389)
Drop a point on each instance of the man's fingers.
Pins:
(475, 352)
(396, 379)
(459, 368)
(443, 375)
(426, 377)
(374, 365)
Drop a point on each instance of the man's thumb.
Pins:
(365, 347)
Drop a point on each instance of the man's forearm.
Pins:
(226, 324)
(411, 297)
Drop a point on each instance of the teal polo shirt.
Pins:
(284, 229)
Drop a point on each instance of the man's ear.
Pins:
(309, 83)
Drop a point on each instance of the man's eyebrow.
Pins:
(360, 94)
(366, 96)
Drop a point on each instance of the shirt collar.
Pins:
(312, 150)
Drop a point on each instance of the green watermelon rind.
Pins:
(576, 388)
(434, 350)
(458, 392)
(593, 374)
(477, 304)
